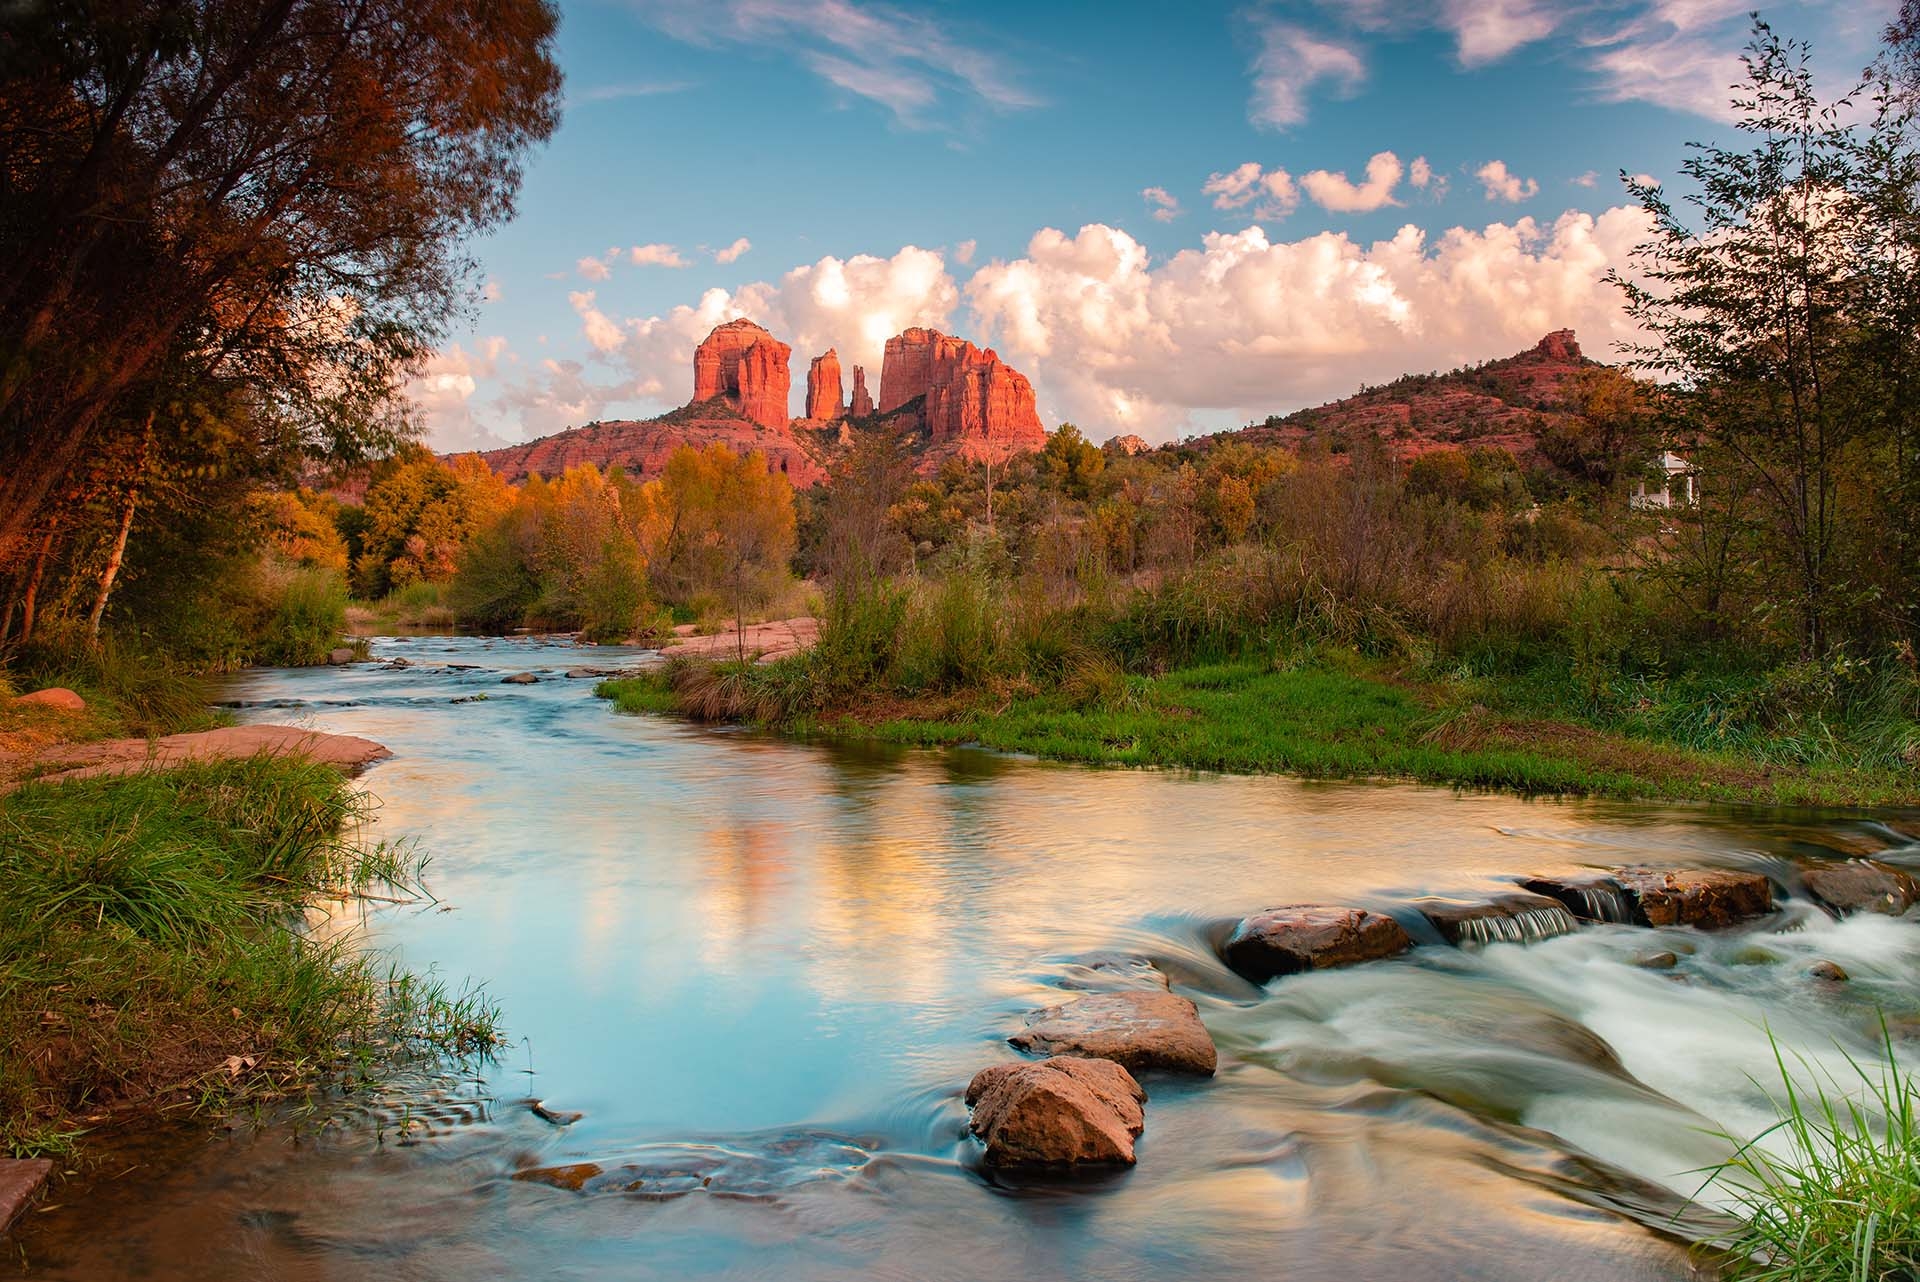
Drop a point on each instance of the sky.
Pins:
(1172, 217)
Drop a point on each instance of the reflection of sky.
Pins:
(704, 931)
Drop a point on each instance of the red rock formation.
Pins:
(823, 388)
(747, 367)
(975, 404)
(861, 406)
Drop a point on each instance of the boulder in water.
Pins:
(1513, 919)
(1656, 961)
(1830, 972)
(519, 679)
(1588, 896)
(1137, 1030)
(1285, 941)
(1710, 898)
(1063, 1112)
(1861, 885)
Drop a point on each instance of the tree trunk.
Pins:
(30, 600)
(113, 566)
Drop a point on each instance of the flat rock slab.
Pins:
(1860, 885)
(1710, 898)
(1136, 1030)
(20, 1179)
(773, 640)
(1061, 1113)
(228, 743)
(1513, 919)
(1300, 937)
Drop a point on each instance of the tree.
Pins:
(277, 189)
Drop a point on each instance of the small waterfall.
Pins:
(1605, 903)
(1524, 926)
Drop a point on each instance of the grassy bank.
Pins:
(153, 957)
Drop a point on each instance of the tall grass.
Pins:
(1843, 1203)
(153, 952)
(128, 692)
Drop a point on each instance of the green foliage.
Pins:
(308, 619)
(1843, 1203)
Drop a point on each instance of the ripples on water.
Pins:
(764, 971)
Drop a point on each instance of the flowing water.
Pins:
(764, 971)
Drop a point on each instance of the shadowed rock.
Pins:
(1285, 941)
(1137, 1030)
(1860, 885)
(1710, 898)
(1059, 1113)
(1512, 919)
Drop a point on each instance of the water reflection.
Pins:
(710, 939)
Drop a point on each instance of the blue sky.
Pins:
(1171, 217)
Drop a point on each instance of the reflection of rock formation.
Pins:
(745, 366)
(862, 404)
(823, 387)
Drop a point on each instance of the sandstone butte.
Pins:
(949, 397)
(823, 387)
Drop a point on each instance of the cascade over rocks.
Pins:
(823, 388)
(1137, 1030)
(1285, 941)
(1510, 919)
(1861, 885)
(1061, 1112)
(745, 366)
(1590, 897)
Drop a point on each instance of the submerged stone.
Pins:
(1137, 1030)
(1656, 961)
(1111, 972)
(1830, 972)
(1064, 1112)
(1513, 919)
(1300, 937)
(1861, 885)
(758, 1167)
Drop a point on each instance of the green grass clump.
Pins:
(1843, 1203)
(154, 953)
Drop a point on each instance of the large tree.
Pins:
(275, 192)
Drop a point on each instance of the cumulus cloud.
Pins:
(442, 394)
(655, 255)
(1420, 173)
(1335, 192)
(1270, 193)
(1502, 185)
(908, 63)
(594, 269)
(1644, 180)
(731, 254)
(1163, 203)
(1254, 325)
(1292, 61)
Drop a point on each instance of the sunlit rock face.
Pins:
(861, 405)
(823, 388)
(973, 404)
(746, 367)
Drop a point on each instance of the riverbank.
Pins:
(1318, 714)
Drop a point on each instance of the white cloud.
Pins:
(1645, 180)
(1272, 193)
(490, 292)
(442, 393)
(600, 331)
(1501, 185)
(909, 63)
(593, 269)
(1291, 62)
(655, 255)
(1488, 30)
(731, 254)
(1334, 192)
(963, 252)
(1589, 179)
(1165, 205)
(1420, 173)
(1244, 323)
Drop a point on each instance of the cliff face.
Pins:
(861, 406)
(973, 403)
(746, 367)
(823, 387)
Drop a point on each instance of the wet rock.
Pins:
(20, 1181)
(1711, 898)
(519, 679)
(339, 655)
(55, 697)
(1589, 897)
(1830, 972)
(1656, 961)
(397, 663)
(1512, 919)
(754, 1167)
(1113, 972)
(1061, 1112)
(1138, 1031)
(1861, 885)
(1285, 941)
(469, 698)
(582, 674)
(557, 1116)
